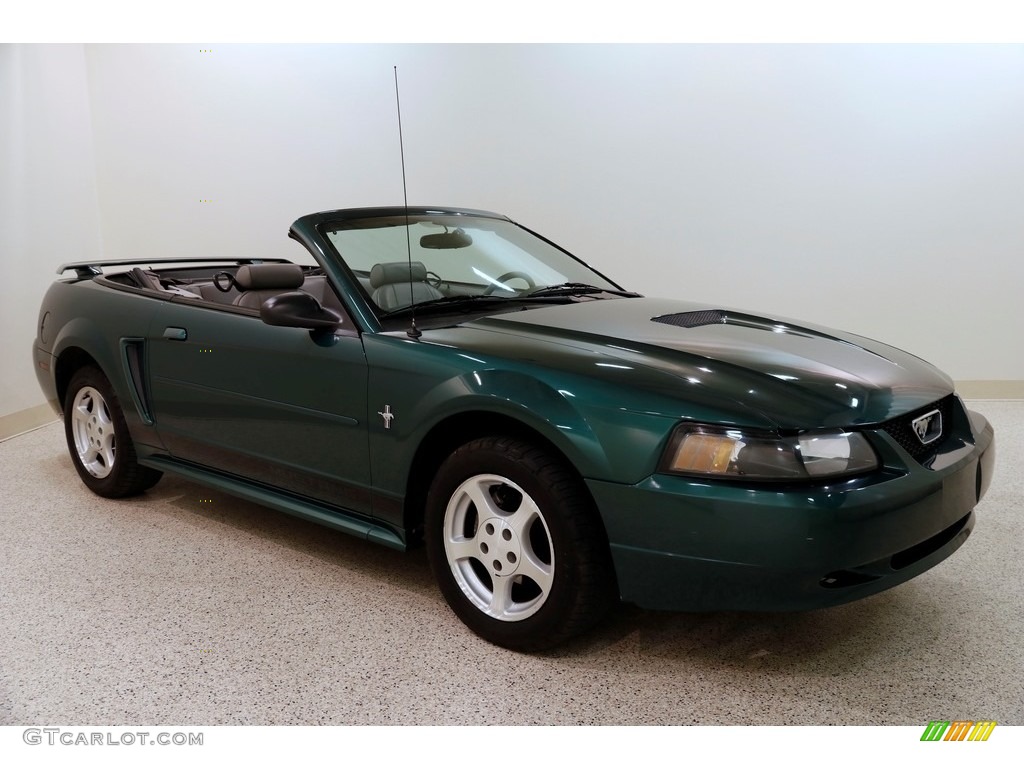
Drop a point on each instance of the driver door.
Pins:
(262, 402)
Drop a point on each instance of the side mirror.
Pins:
(297, 309)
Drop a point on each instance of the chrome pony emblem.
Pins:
(387, 415)
(928, 428)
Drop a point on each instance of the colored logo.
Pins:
(958, 730)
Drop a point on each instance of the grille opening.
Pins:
(901, 429)
(912, 554)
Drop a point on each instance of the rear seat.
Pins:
(273, 282)
(210, 292)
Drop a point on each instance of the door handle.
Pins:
(175, 334)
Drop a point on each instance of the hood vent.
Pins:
(694, 319)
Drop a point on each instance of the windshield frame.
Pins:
(362, 218)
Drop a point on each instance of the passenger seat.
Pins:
(401, 283)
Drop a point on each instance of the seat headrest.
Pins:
(397, 272)
(261, 277)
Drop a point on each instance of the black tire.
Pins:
(534, 569)
(101, 448)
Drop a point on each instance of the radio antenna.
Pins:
(413, 331)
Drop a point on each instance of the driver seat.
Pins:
(401, 283)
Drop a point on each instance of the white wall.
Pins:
(48, 207)
(876, 189)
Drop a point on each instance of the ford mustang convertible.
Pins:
(555, 441)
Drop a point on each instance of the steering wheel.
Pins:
(231, 282)
(433, 279)
(530, 285)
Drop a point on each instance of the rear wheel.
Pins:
(516, 546)
(98, 439)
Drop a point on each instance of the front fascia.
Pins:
(683, 544)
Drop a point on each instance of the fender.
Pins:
(582, 435)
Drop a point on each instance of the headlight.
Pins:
(741, 454)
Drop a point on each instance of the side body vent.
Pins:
(133, 357)
(693, 319)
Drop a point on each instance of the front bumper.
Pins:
(687, 545)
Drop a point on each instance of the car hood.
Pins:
(793, 374)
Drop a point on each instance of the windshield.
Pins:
(454, 257)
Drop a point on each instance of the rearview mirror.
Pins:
(446, 240)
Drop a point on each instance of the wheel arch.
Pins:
(101, 445)
(457, 430)
(78, 348)
(71, 359)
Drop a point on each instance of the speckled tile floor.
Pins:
(165, 609)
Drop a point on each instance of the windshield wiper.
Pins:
(468, 299)
(545, 292)
(574, 289)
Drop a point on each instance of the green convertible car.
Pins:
(558, 443)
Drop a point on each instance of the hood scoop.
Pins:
(693, 319)
(703, 317)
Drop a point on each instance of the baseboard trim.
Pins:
(985, 389)
(20, 422)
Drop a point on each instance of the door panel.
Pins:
(264, 402)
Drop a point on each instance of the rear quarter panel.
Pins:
(84, 316)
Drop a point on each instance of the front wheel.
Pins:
(516, 546)
(98, 439)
